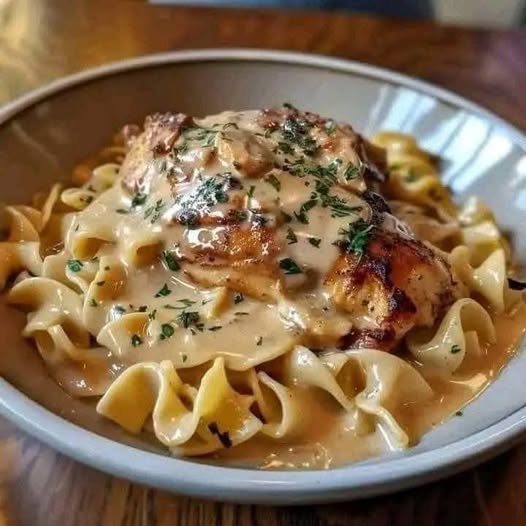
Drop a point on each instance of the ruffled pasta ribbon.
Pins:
(414, 175)
(370, 385)
(463, 330)
(21, 250)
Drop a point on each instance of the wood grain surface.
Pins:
(41, 40)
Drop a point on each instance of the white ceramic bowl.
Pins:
(43, 133)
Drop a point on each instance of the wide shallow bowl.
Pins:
(45, 132)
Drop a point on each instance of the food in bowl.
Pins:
(265, 288)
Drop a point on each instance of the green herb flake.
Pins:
(74, 265)
(289, 266)
(330, 127)
(291, 237)
(184, 358)
(164, 291)
(187, 319)
(167, 331)
(136, 340)
(260, 341)
(142, 308)
(301, 216)
(459, 413)
(314, 241)
(250, 192)
(152, 315)
(411, 177)
(170, 262)
(241, 313)
(285, 147)
(238, 298)
(138, 199)
(295, 131)
(352, 172)
(215, 328)
(356, 237)
(287, 218)
(274, 181)
(100, 283)
(122, 211)
(93, 303)
(118, 309)
(455, 349)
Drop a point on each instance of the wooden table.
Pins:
(41, 40)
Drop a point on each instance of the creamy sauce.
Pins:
(220, 247)
(328, 440)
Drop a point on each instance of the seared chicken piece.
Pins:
(396, 284)
(282, 205)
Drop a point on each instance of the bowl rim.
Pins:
(251, 485)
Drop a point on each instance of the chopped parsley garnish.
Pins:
(459, 413)
(187, 319)
(301, 216)
(74, 265)
(314, 241)
(295, 131)
(152, 315)
(100, 283)
(285, 147)
(238, 298)
(289, 266)
(260, 341)
(291, 237)
(224, 437)
(141, 308)
(167, 331)
(138, 199)
(154, 211)
(136, 340)
(325, 178)
(215, 328)
(184, 358)
(201, 134)
(330, 127)
(206, 195)
(287, 218)
(250, 192)
(352, 172)
(93, 303)
(170, 262)
(241, 313)
(455, 349)
(338, 206)
(164, 291)
(411, 177)
(289, 106)
(356, 237)
(274, 181)
(122, 211)
(107, 267)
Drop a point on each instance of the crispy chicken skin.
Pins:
(397, 284)
(391, 285)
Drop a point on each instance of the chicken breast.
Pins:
(286, 206)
